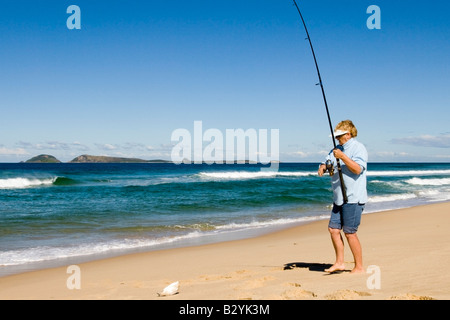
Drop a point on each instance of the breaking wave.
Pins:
(243, 175)
(392, 173)
(20, 183)
(429, 182)
(392, 197)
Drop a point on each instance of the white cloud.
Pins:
(12, 152)
(391, 154)
(106, 146)
(128, 146)
(314, 156)
(52, 145)
(440, 141)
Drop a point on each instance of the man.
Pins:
(347, 216)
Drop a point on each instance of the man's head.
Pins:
(344, 131)
(344, 127)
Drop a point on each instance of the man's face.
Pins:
(343, 138)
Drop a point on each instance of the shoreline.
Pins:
(407, 245)
(182, 241)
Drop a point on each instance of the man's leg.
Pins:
(352, 218)
(338, 244)
(355, 246)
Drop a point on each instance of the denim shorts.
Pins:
(346, 217)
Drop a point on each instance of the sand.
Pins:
(406, 254)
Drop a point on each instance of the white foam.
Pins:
(20, 183)
(269, 223)
(392, 197)
(243, 175)
(46, 253)
(427, 195)
(429, 182)
(436, 195)
(406, 173)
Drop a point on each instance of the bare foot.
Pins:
(357, 270)
(335, 267)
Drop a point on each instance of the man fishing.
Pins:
(346, 213)
(349, 185)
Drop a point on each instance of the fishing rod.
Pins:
(344, 193)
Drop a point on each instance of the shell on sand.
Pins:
(171, 289)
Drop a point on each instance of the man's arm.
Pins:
(351, 165)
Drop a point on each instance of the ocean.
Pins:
(66, 213)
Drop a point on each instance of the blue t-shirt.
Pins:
(355, 184)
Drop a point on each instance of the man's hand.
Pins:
(322, 169)
(351, 165)
(338, 154)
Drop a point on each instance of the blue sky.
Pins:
(138, 70)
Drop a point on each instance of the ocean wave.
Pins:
(20, 183)
(63, 181)
(435, 195)
(427, 195)
(392, 197)
(47, 253)
(244, 175)
(269, 223)
(380, 173)
(41, 254)
(429, 182)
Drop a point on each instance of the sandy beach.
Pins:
(406, 253)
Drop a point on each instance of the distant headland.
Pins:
(85, 158)
(43, 158)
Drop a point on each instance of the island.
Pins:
(43, 158)
(85, 158)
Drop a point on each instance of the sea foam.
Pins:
(392, 173)
(20, 183)
(243, 175)
(429, 182)
(392, 197)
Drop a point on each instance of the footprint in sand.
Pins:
(346, 295)
(296, 293)
(410, 296)
(239, 274)
(254, 283)
(214, 277)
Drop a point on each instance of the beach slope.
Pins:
(406, 253)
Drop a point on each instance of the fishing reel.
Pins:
(329, 167)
